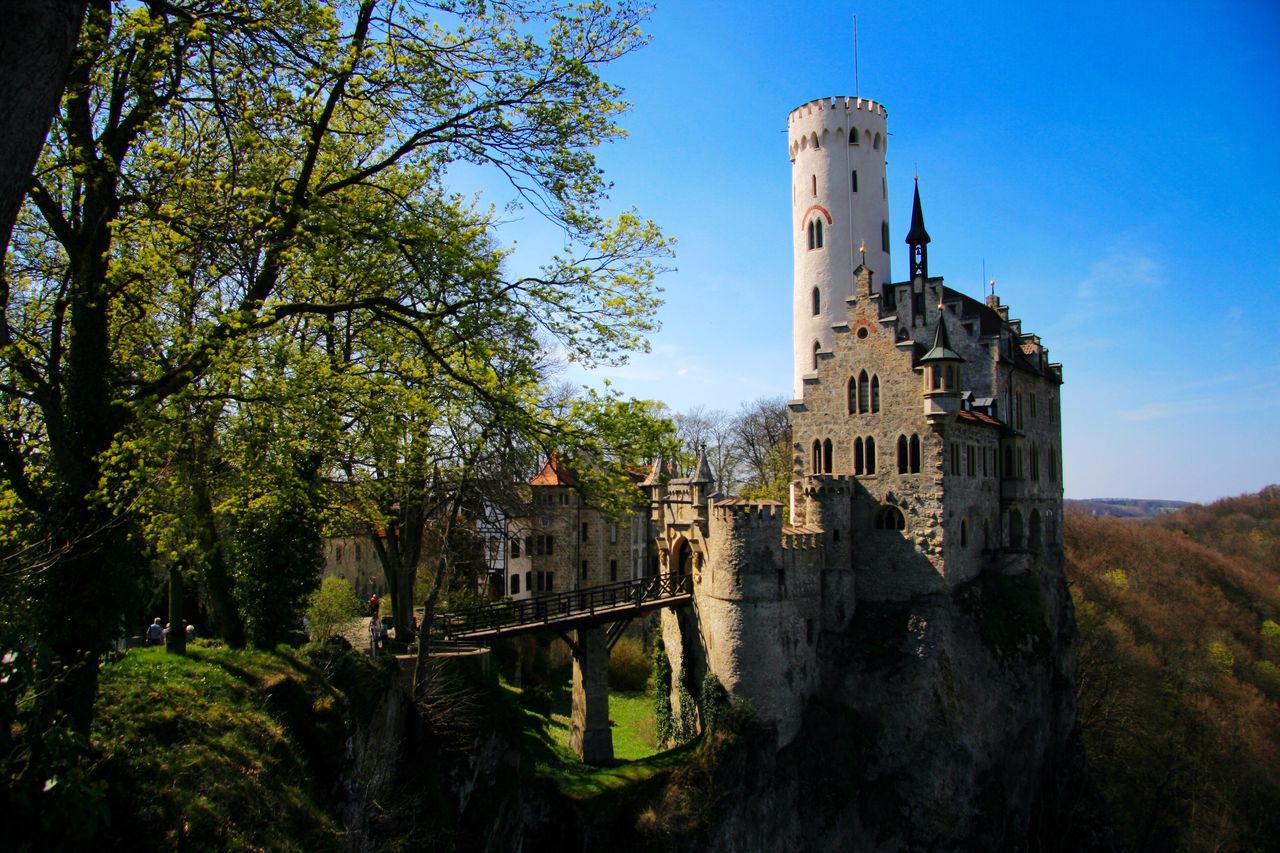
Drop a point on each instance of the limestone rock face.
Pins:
(945, 721)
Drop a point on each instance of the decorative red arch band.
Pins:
(818, 208)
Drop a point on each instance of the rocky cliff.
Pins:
(946, 721)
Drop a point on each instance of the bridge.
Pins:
(596, 616)
(581, 608)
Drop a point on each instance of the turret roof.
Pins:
(942, 350)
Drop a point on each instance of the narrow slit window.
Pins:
(875, 393)
(858, 463)
(855, 180)
(817, 302)
(871, 455)
(903, 462)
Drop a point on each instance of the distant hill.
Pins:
(1179, 671)
(1124, 507)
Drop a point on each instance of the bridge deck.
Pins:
(574, 609)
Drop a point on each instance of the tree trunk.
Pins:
(37, 39)
(175, 641)
(227, 620)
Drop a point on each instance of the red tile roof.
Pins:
(554, 473)
(980, 418)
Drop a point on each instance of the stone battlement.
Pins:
(741, 508)
(836, 102)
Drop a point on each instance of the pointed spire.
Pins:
(917, 234)
(942, 350)
(656, 473)
(703, 472)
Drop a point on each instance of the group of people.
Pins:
(156, 634)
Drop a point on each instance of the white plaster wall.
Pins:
(855, 218)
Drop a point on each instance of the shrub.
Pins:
(332, 605)
(629, 667)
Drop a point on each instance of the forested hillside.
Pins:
(1179, 620)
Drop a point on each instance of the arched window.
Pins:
(875, 393)
(810, 230)
(871, 455)
(902, 455)
(817, 301)
(826, 456)
(884, 236)
(864, 393)
(853, 395)
(858, 464)
(817, 233)
(815, 141)
(817, 456)
(817, 348)
(813, 179)
(964, 533)
(875, 144)
(853, 136)
(1015, 529)
(890, 518)
(915, 454)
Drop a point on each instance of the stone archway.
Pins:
(681, 562)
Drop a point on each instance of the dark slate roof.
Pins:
(942, 350)
(917, 234)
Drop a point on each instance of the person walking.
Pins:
(155, 633)
(375, 634)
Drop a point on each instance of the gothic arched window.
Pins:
(902, 454)
(817, 348)
(853, 395)
(915, 454)
(875, 393)
(826, 456)
(858, 464)
(853, 136)
(817, 456)
(871, 455)
(890, 518)
(864, 393)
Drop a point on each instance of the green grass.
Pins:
(545, 743)
(220, 749)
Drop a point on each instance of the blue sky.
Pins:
(1117, 166)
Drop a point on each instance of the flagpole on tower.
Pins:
(857, 93)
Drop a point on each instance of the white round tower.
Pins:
(839, 204)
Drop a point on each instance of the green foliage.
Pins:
(217, 750)
(1221, 657)
(629, 666)
(331, 606)
(276, 558)
(714, 700)
(240, 251)
(48, 799)
(664, 725)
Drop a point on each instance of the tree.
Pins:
(763, 435)
(713, 431)
(210, 159)
(37, 38)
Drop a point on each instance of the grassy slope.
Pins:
(1178, 686)
(218, 750)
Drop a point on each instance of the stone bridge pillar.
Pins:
(589, 733)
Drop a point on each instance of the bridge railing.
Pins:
(547, 609)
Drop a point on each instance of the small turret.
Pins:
(941, 372)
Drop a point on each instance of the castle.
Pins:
(926, 437)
